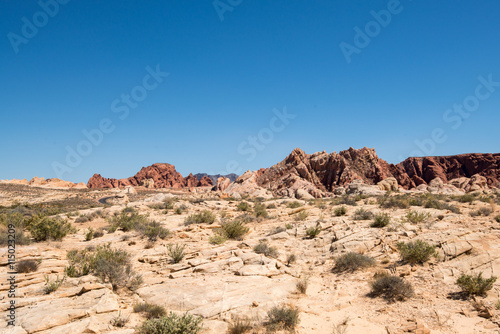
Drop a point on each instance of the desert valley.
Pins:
(318, 243)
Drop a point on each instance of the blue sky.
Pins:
(227, 80)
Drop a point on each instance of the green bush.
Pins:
(260, 211)
(264, 248)
(340, 211)
(44, 228)
(313, 232)
(128, 219)
(110, 265)
(293, 205)
(416, 251)
(151, 311)
(467, 198)
(475, 284)
(176, 252)
(301, 216)
(217, 239)
(381, 220)
(172, 324)
(52, 285)
(18, 221)
(392, 288)
(416, 217)
(204, 217)
(239, 326)
(497, 218)
(399, 201)
(362, 214)
(271, 206)
(235, 229)
(153, 230)
(352, 262)
(345, 199)
(243, 206)
(302, 285)
(433, 203)
(484, 211)
(283, 317)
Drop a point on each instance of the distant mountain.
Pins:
(214, 178)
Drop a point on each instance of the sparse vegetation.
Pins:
(416, 217)
(344, 199)
(293, 205)
(52, 285)
(497, 218)
(172, 324)
(362, 214)
(467, 198)
(239, 326)
(260, 211)
(217, 239)
(13, 223)
(176, 252)
(392, 288)
(301, 216)
(151, 311)
(127, 220)
(27, 266)
(291, 258)
(398, 201)
(302, 285)
(416, 251)
(264, 248)
(313, 232)
(152, 230)
(243, 206)
(204, 217)
(45, 228)
(283, 317)
(352, 262)
(340, 211)
(475, 284)
(235, 229)
(119, 321)
(484, 211)
(381, 220)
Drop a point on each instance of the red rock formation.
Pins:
(163, 175)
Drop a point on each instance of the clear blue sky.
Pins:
(227, 76)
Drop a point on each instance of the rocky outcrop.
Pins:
(47, 183)
(362, 171)
(159, 175)
(232, 177)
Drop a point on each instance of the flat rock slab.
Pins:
(209, 296)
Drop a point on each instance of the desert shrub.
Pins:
(239, 326)
(172, 324)
(166, 204)
(362, 214)
(277, 230)
(352, 262)
(484, 211)
(399, 201)
(283, 317)
(392, 288)
(475, 284)
(110, 265)
(119, 321)
(44, 228)
(440, 217)
(340, 211)
(264, 248)
(381, 220)
(52, 285)
(433, 203)
(176, 252)
(344, 199)
(243, 206)
(217, 239)
(153, 230)
(302, 285)
(301, 216)
(416, 251)
(151, 311)
(271, 206)
(89, 235)
(27, 266)
(128, 219)
(293, 205)
(204, 217)
(180, 209)
(260, 211)
(7, 220)
(235, 229)
(313, 232)
(467, 198)
(416, 217)
(497, 218)
(291, 258)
